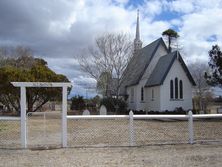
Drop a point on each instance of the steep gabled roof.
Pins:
(162, 68)
(138, 64)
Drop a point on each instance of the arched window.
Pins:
(132, 95)
(181, 89)
(176, 88)
(152, 95)
(142, 94)
(171, 89)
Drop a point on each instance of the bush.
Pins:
(78, 103)
(140, 112)
(114, 105)
(177, 111)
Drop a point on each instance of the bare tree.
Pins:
(202, 90)
(16, 56)
(110, 54)
(103, 85)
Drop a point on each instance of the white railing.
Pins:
(10, 119)
(131, 117)
(207, 116)
(190, 119)
(76, 117)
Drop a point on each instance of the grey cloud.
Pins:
(28, 23)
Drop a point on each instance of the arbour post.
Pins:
(23, 116)
(190, 127)
(64, 115)
(23, 86)
(131, 129)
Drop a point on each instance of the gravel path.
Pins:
(147, 156)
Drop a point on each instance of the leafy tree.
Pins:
(26, 68)
(214, 76)
(78, 103)
(171, 35)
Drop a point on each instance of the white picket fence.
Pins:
(131, 119)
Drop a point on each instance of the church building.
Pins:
(156, 79)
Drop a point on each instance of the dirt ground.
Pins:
(182, 155)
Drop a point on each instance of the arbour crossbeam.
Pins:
(23, 86)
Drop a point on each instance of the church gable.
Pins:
(162, 68)
(138, 64)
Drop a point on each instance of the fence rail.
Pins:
(185, 117)
(208, 116)
(76, 117)
(10, 119)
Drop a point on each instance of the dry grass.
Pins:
(146, 156)
(10, 134)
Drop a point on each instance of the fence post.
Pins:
(190, 126)
(131, 129)
(23, 116)
(64, 116)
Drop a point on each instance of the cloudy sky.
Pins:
(57, 30)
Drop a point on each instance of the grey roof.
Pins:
(162, 68)
(138, 65)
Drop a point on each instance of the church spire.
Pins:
(137, 41)
(137, 26)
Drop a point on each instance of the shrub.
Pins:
(114, 105)
(177, 111)
(139, 112)
(78, 103)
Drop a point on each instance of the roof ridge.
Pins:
(169, 54)
(159, 40)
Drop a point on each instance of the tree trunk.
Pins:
(38, 107)
(30, 106)
(169, 44)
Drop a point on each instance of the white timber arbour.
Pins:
(23, 86)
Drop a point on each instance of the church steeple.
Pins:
(137, 42)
